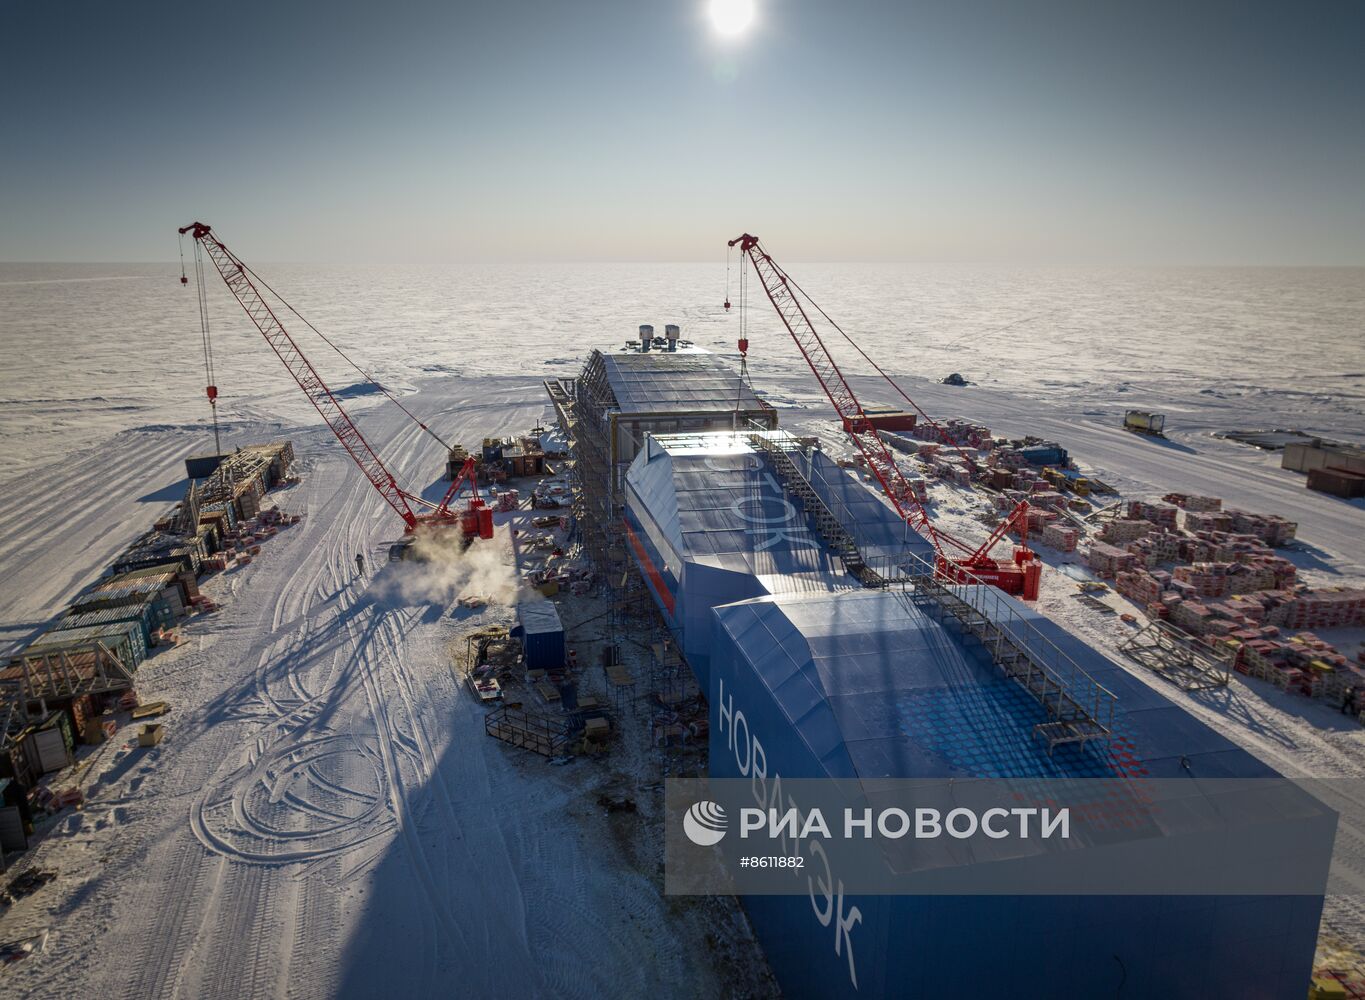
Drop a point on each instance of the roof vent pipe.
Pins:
(671, 331)
(646, 335)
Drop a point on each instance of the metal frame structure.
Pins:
(57, 675)
(1179, 657)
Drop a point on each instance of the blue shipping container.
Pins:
(542, 635)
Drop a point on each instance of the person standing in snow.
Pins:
(359, 564)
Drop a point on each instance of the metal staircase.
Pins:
(826, 525)
(1078, 707)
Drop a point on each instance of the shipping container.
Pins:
(163, 589)
(223, 508)
(143, 614)
(184, 580)
(542, 635)
(123, 639)
(1044, 455)
(1337, 482)
(202, 466)
(16, 761)
(1144, 422)
(889, 419)
(1309, 455)
(51, 743)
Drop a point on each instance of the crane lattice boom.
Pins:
(234, 275)
(822, 364)
(786, 299)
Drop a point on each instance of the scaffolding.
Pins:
(608, 411)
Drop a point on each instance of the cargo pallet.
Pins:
(1079, 708)
(542, 734)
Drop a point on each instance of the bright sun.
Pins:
(731, 17)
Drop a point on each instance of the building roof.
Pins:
(876, 688)
(539, 617)
(718, 502)
(675, 382)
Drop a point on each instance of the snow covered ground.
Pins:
(326, 815)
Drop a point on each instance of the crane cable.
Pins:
(211, 386)
(878, 368)
(744, 376)
(363, 373)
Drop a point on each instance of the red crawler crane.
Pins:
(965, 564)
(475, 521)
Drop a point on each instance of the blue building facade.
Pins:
(816, 677)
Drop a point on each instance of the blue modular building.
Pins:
(709, 523)
(837, 681)
(542, 635)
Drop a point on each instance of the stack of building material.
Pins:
(244, 477)
(1192, 616)
(1155, 548)
(1337, 608)
(1122, 529)
(953, 469)
(1139, 586)
(1162, 514)
(1000, 479)
(1007, 458)
(1194, 502)
(1107, 560)
(956, 431)
(1198, 521)
(1250, 577)
(1224, 546)
(1270, 528)
(1060, 537)
(1048, 498)
(1202, 579)
(900, 442)
(1037, 519)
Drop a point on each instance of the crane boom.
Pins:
(826, 370)
(234, 275)
(968, 564)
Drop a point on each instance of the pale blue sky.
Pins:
(1161, 132)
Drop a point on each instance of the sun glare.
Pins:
(731, 17)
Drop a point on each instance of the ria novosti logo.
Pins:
(704, 823)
